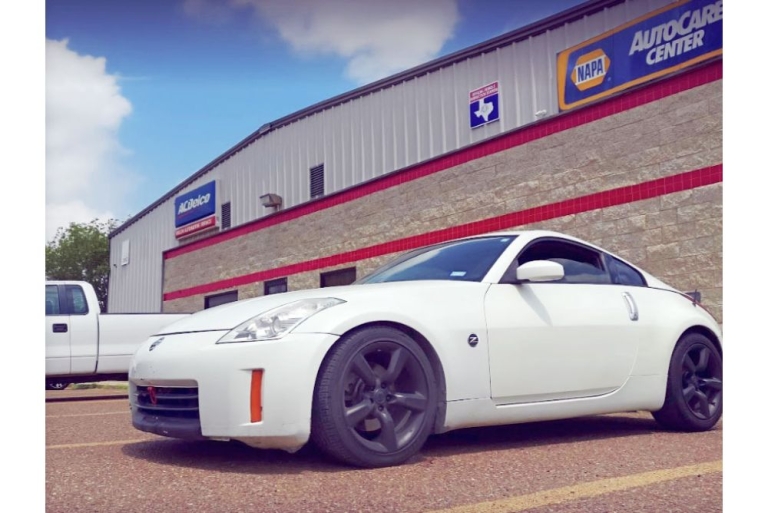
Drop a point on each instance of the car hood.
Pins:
(230, 315)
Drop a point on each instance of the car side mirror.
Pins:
(540, 271)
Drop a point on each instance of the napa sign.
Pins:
(664, 41)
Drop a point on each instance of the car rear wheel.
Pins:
(694, 399)
(375, 399)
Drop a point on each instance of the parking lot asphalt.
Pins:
(73, 394)
(97, 462)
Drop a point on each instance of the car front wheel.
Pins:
(694, 398)
(375, 399)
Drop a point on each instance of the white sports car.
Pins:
(496, 329)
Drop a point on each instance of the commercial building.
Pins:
(604, 121)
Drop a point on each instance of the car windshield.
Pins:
(463, 260)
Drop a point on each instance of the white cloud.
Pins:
(377, 38)
(61, 214)
(212, 11)
(84, 111)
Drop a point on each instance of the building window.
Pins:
(275, 286)
(220, 299)
(226, 215)
(337, 278)
(317, 181)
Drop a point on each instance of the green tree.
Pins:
(81, 252)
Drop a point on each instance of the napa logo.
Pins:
(590, 70)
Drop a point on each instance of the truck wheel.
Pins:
(52, 384)
(375, 400)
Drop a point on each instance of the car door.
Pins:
(57, 333)
(564, 339)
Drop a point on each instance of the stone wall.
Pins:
(677, 236)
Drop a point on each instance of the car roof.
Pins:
(532, 234)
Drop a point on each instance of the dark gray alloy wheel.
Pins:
(55, 385)
(375, 399)
(694, 400)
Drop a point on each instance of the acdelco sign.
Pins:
(195, 205)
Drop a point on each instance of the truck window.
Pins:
(76, 303)
(52, 300)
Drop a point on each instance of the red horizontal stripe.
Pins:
(631, 193)
(559, 123)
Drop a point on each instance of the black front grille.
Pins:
(175, 402)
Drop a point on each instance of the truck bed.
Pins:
(121, 334)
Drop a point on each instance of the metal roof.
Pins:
(543, 25)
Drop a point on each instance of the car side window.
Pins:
(76, 303)
(580, 264)
(52, 300)
(623, 274)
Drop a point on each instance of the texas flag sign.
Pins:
(484, 105)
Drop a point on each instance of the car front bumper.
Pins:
(203, 390)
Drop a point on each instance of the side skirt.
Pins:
(639, 393)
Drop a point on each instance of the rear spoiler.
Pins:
(695, 295)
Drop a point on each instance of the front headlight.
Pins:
(280, 321)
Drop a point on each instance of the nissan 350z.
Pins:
(502, 328)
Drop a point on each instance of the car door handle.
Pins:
(631, 306)
(59, 328)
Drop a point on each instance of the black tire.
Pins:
(52, 384)
(375, 399)
(694, 398)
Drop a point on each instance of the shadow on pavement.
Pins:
(239, 458)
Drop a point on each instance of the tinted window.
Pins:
(52, 300)
(466, 260)
(220, 299)
(276, 286)
(76, 303)
(580, 264)
(337, 278)
(622, 274)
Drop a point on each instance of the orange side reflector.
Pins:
(256, 395)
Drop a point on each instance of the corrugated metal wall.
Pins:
(364, 138)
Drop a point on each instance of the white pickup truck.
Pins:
(84, 345)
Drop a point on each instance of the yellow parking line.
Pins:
(87, 414)
(98, 444)
(585, 490)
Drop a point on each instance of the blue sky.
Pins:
(141, 94)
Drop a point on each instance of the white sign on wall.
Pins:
(125, 253)
(484, 105)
